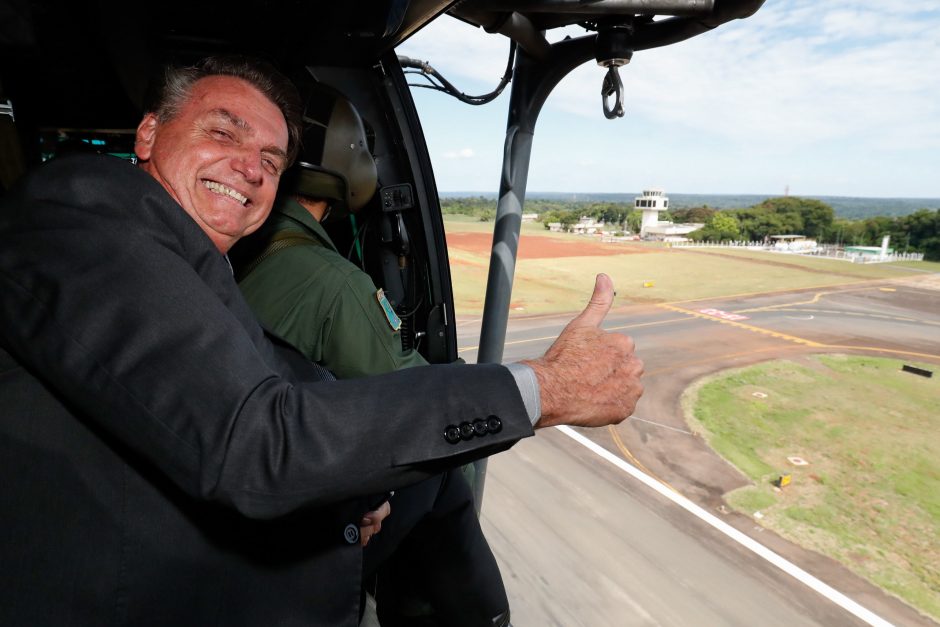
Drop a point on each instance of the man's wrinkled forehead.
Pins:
(217, 86)
(228, 117)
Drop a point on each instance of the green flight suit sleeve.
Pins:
(358, 339)
(327, 308)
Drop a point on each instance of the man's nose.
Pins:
(248, 164)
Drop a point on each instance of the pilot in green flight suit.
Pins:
(322, 304)
(304, 291)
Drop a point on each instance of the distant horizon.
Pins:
(535, 194)
(850, 207)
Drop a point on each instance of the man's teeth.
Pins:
(218, 188)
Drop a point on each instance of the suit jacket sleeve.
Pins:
(111, 294)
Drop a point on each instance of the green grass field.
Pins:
(923, 266)
(564, 284)
(870, 495)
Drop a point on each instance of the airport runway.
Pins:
(581, 542)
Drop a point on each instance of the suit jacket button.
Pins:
(466, 430)
(479, 427)
(494, 424)
(351, 534)
(452, 434)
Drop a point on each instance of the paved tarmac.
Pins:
(582, 543)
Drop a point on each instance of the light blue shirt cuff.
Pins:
(528, 386)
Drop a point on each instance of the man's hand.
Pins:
(371, 522)
(589, 377)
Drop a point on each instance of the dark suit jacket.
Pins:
(159, 465)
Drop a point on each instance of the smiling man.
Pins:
(162, 463)
(221, 167)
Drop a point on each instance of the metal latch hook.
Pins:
(612, 86)
(6, 108)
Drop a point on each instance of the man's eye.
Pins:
(221, 133)
(272, 167)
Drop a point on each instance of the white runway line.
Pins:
(744, 540)
(659, 424)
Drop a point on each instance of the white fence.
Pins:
(729, 244)
(830, 252)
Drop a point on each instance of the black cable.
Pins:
(445, 86)
(433, 84)
(416, 277)
(413, 311)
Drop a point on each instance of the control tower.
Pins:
(651, 203)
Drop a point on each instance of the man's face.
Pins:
(220, 158)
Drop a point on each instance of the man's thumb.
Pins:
(599, 305)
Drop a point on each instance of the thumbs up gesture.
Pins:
(589, 377)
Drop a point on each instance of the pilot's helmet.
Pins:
(334, 161)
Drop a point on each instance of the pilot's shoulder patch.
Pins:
(390, 316)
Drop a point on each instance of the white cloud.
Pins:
(460, 51)
(806, 70)
(848, 79)
(463, 153)
(761, 81)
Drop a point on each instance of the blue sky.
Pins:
(827, 98)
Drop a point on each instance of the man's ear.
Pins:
(146, 133)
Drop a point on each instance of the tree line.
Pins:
(915, 232)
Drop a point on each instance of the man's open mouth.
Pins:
(218, 188)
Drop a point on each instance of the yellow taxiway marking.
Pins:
(812, 301)
(623, 449)
(772, 292)
(877, 349)
(856, 313)
(795, 339)
(815, 299)
(741, 325)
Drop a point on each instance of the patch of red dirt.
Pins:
(464, 262)
(540, 247)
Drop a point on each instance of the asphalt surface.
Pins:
(582, 543)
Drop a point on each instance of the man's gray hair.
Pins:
(178, 84)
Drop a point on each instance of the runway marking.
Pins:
(724, 315)
(646, 324)
(659, 424)
(773, 292)
(671, 305)
(798, 340)
(618, 308)
(870, 315)
(876, 349)
(918, 288)
(744, 540)
(553, 337)
(747, 327)
(623, 449)
(812, 301)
